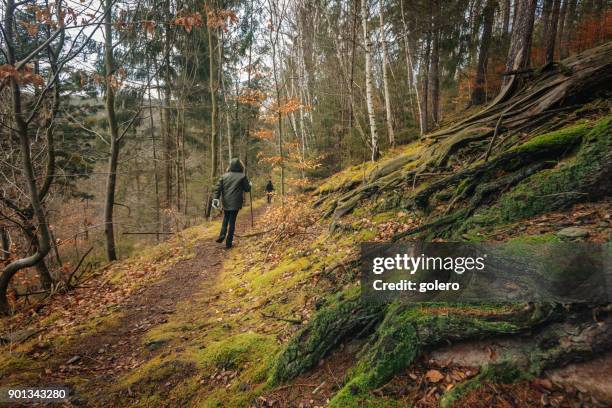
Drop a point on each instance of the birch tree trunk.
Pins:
(385, 67)
(368, 77)
(410, 69)
(212, 87)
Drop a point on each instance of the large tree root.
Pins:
(586, 178)
(545, 147)
(408, 329)
(325, 331)
(557, 345)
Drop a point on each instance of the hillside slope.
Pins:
(278, 321)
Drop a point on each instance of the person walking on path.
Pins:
(269, 191)
(229, 194)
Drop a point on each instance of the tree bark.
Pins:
(410, 69)
(168, 141)
(424, 74)
(113, 160)
(212, 87)
(506, 19)
(478, 96)
(561, 25)
(368, 77)
(552, 32)
(434, 71)
(520, 45)
(4, 244)
(27, 169)
(385, 68)
(545, 22)
(568, 27)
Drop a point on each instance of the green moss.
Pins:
(236, 350)
(344, 315)
(536, 239)
(555, 188)
(13, 362)
(565, 137)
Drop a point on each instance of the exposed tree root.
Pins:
(564, 86)
(573, 340)
(323, 333)
(407, 330)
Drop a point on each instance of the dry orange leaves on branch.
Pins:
(189, 21)
(25, 76)
(220, 18)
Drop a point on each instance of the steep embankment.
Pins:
(535, 155)
(278, 322)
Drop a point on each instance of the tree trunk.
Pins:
(4, 244)
(410, 69)
(27, 170)
(478, 96)
(545, 22)
(520, 45)
(506, 19)
(368, 77)
(212, 87)
(385, 68)
(552, 32)
(561, 25)
(113, 160)
(568, 28)
(424, 74)
(168, 141)
(434, 71)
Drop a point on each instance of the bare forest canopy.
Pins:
(118, 116)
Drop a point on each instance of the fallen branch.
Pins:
(68, 285)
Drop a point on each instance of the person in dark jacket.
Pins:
(269, 191)
(230, 190)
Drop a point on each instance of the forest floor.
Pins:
(198, 331)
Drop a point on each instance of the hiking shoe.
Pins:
(228, 247)
(219, 240)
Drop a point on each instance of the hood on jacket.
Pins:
(236, 166)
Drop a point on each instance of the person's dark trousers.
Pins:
(229, 218)
(269, 198)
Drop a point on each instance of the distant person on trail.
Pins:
(269, 191)
(230, 189)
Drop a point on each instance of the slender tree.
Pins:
(551, 33)
(478, 96)
(367, 43)
(385, 68)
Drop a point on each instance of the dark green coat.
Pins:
(231, 187)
